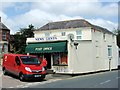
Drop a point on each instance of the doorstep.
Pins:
(49, 71)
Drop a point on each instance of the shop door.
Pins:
(48, 58)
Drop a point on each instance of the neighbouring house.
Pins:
(4, 38)
(74, 46)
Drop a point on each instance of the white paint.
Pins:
(105, 82)
(117, 77)
(91, 54)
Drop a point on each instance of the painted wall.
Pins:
(86, 33)
(80, 59)
(92, 52)
(100, 48)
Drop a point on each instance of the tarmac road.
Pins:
(107, 79)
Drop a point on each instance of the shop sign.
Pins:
(43, 49)
(46, 39)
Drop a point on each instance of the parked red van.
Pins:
(24, 66)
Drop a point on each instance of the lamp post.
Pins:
(76, 44)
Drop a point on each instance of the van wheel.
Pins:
(43, 77)
(21, 77)
(4, 71)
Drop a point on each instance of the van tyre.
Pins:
(43, 77)
(21, 77)
(4, 71)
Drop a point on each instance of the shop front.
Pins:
(55, 52)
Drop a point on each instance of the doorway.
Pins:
(48, 58)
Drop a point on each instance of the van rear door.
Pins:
(8, 62)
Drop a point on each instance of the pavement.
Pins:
(0, 76)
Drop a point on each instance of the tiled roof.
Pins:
(3, 27)
(72, 24)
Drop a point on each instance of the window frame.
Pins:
(109, 49)
(47, 34)
(78, 34)
(63, 33)
(4, 36)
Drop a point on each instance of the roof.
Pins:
(3, 27)
(72, 24)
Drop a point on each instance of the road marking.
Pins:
(117, 77)
(105, 82)
(36, 83)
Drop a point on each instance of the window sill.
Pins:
(60, 65)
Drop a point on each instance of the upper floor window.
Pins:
(78, 34)
(47, 34)
(4, 35)
(63, 33)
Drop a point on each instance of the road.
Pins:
(98, 80)
(107, 79)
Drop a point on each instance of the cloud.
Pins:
(8, 22)
(41, 13)
(104, 23)
(38, 18)
(5, 5)
(78, 8)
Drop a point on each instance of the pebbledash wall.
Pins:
(89, 48)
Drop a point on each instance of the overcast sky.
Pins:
(18, 14)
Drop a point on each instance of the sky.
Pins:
(16, 14)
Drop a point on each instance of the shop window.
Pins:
(60, 59)
(56, 57)
(63, 59)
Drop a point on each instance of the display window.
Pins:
(60, 59)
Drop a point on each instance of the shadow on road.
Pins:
(27, 80)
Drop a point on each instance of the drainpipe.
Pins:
(110, 64)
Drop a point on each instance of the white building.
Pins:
(74, 47)
(119, 59)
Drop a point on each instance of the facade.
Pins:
(4, 38)
(74, 46)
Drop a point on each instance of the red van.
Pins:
(24, 66)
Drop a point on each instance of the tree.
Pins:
(118, 38)
(18, 41)
(117, 32)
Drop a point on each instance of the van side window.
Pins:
(17, 60)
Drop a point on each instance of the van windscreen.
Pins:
(29, 60)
